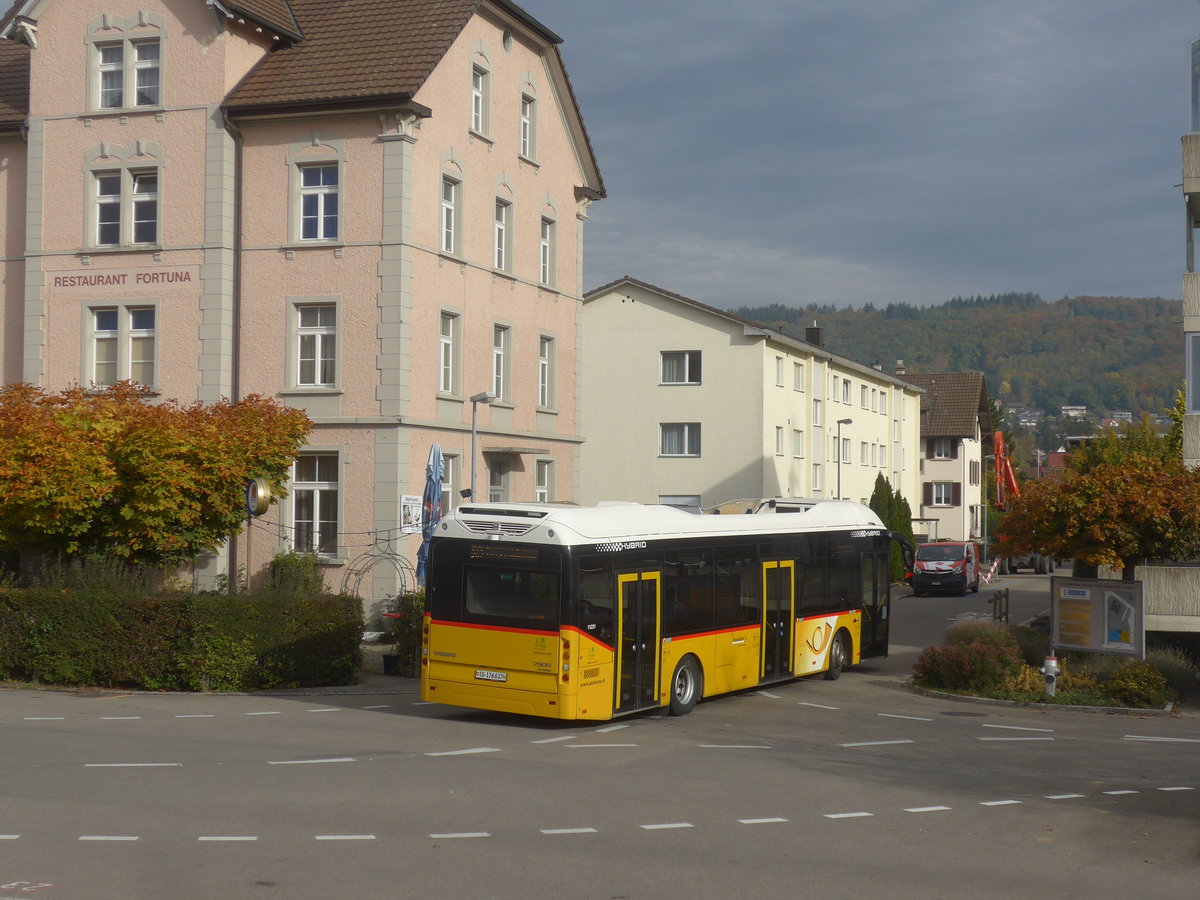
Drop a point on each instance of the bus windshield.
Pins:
(510, 593)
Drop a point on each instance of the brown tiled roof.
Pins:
(275, 14)
(355, 49)
(14, 84)
(955, 403)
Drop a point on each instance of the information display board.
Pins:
(1098, 615)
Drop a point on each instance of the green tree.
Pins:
(895, 513)
(114, 472)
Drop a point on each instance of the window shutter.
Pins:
(956, 493)
(928, 488)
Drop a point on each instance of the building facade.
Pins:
(706, 408)
(369, 211)
(955, 426)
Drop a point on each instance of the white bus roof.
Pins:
(569, 525)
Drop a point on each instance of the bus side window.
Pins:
(596, 598)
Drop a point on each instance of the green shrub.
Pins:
(1034, 644)
(1177, 667)
(406, 630)
(1137, 684)
(978, 666)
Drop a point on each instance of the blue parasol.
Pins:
(431, 505)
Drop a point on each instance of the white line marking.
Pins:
(344, 837)
(119, 718)
(132, 765)
(594, 746)
(1010, 739)
(925, 809)
(9, 837)
(423, 703)
(999, 802)
(568, 831)
(108, 837)
(309, 762)
(1175, 789)
(271, 713)
(767, 694)
(733, 746)
(1119, 793)
(610, 728)
(667, 825)
(911, 718)
(44, 718)
(466, 752)
(817, 705)
(197, 716)
(874, 743)
(227, 837)
(1016, 727)
(1064, 796)
(1164, 740)
(770, 821)
(325, 709)
(461, 834)
(854, 815)
(554, 740)
(378, 706)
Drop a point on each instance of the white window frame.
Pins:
(690, 360)
(481, 100)
(846, 390)
(546, 372)
(450, 239)
(134, 76)
(501, 362)
(798, 443)
(864, 452)
(943, 448)
(543, 481)
(686, 434)
(528, 149)
(864, 397)
(883, 402)
(319, 494)
(817, 484)
(779, 440)
(816, 418)
(845, 449)
(547, 251)
(499, 480)
(313, 200)
(502, 235)
(321, 336)
(129, 335)
(779, 371)
(131, 203)
(449, 342)
(450, 496)
(942, 493)
(797, 376)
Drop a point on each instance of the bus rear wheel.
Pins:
(685, 686)
(839, 656)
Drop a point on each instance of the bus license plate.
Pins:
(485, 675)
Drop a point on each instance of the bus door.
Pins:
(639, 639)
(779, 616)
(876, 604)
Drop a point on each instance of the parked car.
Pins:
(946, 566)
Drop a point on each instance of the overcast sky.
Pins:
(846, 151)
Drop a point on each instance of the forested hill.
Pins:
(1108, 353)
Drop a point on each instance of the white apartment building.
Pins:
(685, 404)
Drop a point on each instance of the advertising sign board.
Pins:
(1098, 615)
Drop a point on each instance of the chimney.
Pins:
(814, 334)
(900, 370)
(877, 366)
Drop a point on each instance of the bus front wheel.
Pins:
(839, 656)
(685, 686)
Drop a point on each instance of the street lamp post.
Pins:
(840, 423)
(482, 397)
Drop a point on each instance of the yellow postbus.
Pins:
(591, 613)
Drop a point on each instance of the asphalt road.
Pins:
(810, 789)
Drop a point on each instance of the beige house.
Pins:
(371, 211)
(955, 426)
(689, 405)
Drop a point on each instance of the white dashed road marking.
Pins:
(568, 831)
(1000, 803)
(910, 718)
(771, 821)
(668, 825)
(1016, 727)
(227, 838)
(460, 834)
(817, 705)
(108, 837)
(1165, 740)
(734, 747)
(1064, 796)
(925, 809)
(1011, 739)
(554, 740)
(310, 762)
(853, 815)
(344, 837)
(466, 752)
(874, 743)
(131, 765)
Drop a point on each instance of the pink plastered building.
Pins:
(371, 211)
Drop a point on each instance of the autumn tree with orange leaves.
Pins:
(1119, 513)
(117, 472)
